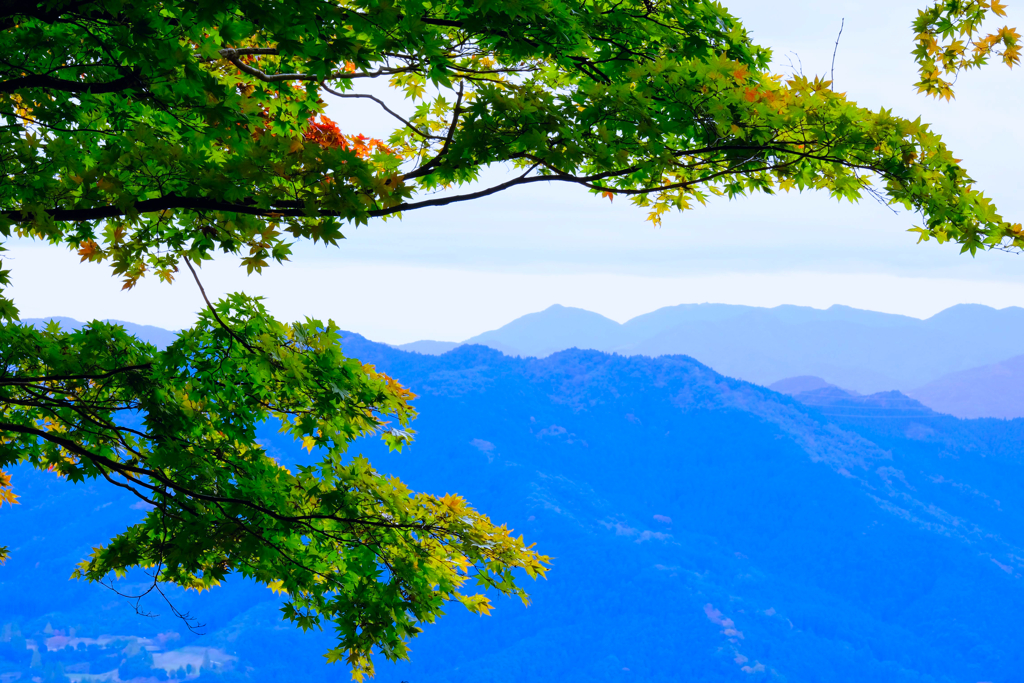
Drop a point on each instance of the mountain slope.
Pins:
(797, 385)
(702, 528)
(776, 514)
(995, 390)
(428, 347)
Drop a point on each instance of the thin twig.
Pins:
(383, 106)
(220, 322)
(233, 56)
(427, 167)
(832, 73)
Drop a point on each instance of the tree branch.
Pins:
(70, 378)
(121, 467)
(383, 106)
(212, 310)
(427, 167)
(63, 85)
(232, 55)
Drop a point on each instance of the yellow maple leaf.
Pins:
(453, 501)
(479, 604)
(6, 494)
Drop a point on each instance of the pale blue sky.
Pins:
(452, 272)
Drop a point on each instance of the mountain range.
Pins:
(966, 361)
(701, 527)
(934, 360)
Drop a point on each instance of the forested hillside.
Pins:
(701, 528)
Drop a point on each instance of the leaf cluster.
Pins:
(140, 134)
(949, 39)
(347, 546)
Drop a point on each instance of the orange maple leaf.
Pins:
(326, 134)
(6, 495)
(89, 250)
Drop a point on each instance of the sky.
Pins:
(452, 272)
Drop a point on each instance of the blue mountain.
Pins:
(156, 336)
(995, 390)
(864, 351)
(702, 528)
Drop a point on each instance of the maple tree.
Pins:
(151, 135)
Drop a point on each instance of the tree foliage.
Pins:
(152, 135)
(967, 46)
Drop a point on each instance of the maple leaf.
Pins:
(6, 494)
(90, 251)
(480, 604)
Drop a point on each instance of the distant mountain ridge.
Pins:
(995, 390)
(966, 361)
(793, 386)
(864, 351)
(157, 336)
